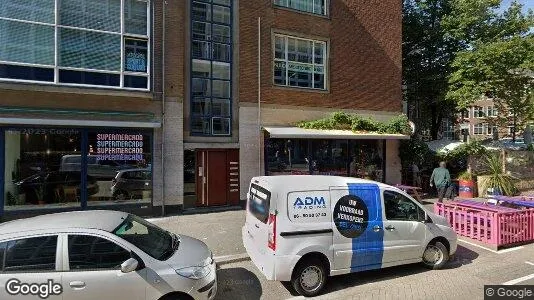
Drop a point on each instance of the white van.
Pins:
(305, 228)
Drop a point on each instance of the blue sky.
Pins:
(526, 4)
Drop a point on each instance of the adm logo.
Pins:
(309, 202)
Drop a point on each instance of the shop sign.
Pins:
(118, 146)
(300, 67)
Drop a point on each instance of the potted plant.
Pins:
(466, 184)
(496, 181)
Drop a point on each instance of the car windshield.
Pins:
(154, 241)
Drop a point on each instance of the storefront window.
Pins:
(42, 167)
(330, 157)
(120, 165)
(287, 156)
(356, 158)
(367, 159)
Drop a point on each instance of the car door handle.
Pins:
(257, 226)
(389, 227)
(376, 228)
(77, 284)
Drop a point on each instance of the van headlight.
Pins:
(196, 272)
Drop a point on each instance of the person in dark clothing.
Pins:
(441, 178)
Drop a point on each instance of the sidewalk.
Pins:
(221, 231)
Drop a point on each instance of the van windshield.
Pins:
(259, 202)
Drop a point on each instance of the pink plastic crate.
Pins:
(489, 226)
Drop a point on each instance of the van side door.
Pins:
(404, 228)
(357, 225)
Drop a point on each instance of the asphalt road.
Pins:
(463, 278)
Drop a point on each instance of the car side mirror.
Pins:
(129, 265)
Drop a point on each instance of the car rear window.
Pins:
(259, 200)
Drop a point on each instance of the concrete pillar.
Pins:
(393, 162)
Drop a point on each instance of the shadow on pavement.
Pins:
(238, 283)
(462, 257)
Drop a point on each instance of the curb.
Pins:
(228, 259)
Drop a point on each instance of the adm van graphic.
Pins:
(309, 202)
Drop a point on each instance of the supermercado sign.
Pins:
(309, 206)
(119, 146)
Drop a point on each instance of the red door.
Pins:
(217, 179)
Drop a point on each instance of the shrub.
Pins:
(344, 121)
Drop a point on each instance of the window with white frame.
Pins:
(319, 7)
(299, 62)
(447, 127)
(491, 111)
(478, 112)
(87, 42)
(478, 129)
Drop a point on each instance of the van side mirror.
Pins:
(129, 265)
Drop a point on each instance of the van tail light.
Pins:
(271, 243)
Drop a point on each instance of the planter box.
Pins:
(489, 227)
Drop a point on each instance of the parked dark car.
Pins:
(130, 184)
(54, 187)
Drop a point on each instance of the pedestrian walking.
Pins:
(441, 178)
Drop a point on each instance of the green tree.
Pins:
(427, 56)
(497, 59)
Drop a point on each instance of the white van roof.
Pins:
(310, 182)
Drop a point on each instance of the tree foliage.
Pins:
(428, 52)
(497, 60)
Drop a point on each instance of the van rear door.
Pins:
(256, 231)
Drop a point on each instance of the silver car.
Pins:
(101, 255)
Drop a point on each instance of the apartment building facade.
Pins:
(154, 106)
(483, 120)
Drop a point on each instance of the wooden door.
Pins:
(217, 182)
(217, 178)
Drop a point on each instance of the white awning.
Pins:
(302, 133)
(79, 123)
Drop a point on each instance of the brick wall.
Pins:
(364, 41)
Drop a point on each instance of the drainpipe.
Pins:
(163, 111)
(259, 98)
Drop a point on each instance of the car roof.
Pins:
(311, 182)
(106, 220)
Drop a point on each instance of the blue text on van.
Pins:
(310, 202)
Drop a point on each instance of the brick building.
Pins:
(89, 91)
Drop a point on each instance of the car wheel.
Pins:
(176, 296)
(309, 277)
(120, 195)
(435, 256)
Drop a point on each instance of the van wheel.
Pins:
(309, 277)
(435, 256)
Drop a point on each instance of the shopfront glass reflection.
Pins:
(42, 168)
(120, 163)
